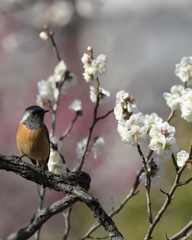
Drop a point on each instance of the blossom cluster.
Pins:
(57, 83)
(134, 127)
(180, 97)
(183, 70)
(93, 68)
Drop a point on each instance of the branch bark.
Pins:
(74, 184)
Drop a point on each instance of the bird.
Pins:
(32, 137)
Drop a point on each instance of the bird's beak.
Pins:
(45, 111)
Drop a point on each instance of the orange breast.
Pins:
(33, 143)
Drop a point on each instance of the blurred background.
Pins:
(143, 41)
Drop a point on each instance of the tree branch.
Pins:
(60, 183)
(183, 232)
(41, 217)
(73, 184)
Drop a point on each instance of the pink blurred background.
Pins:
(143, 42)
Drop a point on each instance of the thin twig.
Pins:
(67, 216)
(55, 48)
(165, 205)
(170, 117)
(80, 164)
(68, 130)
(175, 163)
(41, 195)
(147, 185)
(183, 232)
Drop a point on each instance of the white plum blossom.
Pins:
(173, 99)
(154, 168)
(135, 120)
(152, 120)
(76, 106)
(55, 163)
(99, 64)
(133, 131)
(86, 60)
(60, 70)
(162, 140)
(170, 147)
(98, 146)
(162, 129)
(131, 126)
(103, 95)
(182, 157)
(186, 104)
(93, 67)
(157, 144)
(125, 106)
(184, 69)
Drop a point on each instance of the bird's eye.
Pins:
(33, 113)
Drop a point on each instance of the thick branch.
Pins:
(61, 183)
(74, 184)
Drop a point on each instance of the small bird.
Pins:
(33, 138)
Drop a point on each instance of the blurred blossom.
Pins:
(12, 41)
(186, 104)
(61, 12)
(55, 164)
(173, 99)
(86, 8)
(49, 89)
(44, 36)
(184, 69)
(98, 146)
(70, 81)
(56, 142)
(54, 13)
(103, 95)
(182, 157)
(60, 70)
(7, 5)
(80, 148)
(154, 168)
(76, 105)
